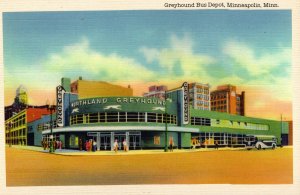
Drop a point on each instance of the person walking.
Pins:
(60, 144)
(44, 144)
(87, 145)
(171, 144)
(94, 146)
(116, 145)
(80, 144)
(125, 145)
(216, 145)
(194, 143)
(57, 144)
(90, 145)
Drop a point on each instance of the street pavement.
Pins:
(70, 152)
(31, 166)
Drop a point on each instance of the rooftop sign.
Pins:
(120, 104)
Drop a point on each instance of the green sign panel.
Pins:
(122, 104)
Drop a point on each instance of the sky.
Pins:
(249, 49)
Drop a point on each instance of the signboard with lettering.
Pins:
(121, 104)
(60, 106)
(185, 103)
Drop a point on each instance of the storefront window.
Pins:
(122, 117)
(132, 117)
(151, 117)
(93, 118)
(112, 117)
(141, 117)
(73, 141)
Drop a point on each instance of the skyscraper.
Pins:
(199, 96)
(225, 99)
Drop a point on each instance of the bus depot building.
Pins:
(145, 122)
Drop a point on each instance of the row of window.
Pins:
(200, 103)
(201, 90)
(216, 97)
(200, 121)
(15, 123)
(218, 102)
(208, 138)
(45, 126)
(202, 108)
(123, 117)
(18, 133)
(157, 118)
(201, 96)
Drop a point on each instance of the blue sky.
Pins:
(244, 48)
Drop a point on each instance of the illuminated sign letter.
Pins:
(60, 105)
(185, 103)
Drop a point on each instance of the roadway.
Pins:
(35, 168)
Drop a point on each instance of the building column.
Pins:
(98, 141)
(127, 140)
(112, 140)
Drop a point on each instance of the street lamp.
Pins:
(166, 122)
(51, 108)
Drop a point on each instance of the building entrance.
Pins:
(105, 140)
(104, 143)
(120, 137)
(135, 140)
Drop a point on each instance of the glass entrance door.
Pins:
(120, 137)
(105, 141)
(134, 140)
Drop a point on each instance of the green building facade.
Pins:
(145, 123)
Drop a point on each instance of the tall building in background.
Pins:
(199, 96)
(156, 92)
(20, 103)
(88, 89)
(21, 95)
(225, 99)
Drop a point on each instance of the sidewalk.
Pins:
(69, 152)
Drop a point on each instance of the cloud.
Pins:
(256, 63)
(179, 61)
(267, 73)
(81, 59)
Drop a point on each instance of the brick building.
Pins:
(226, 99)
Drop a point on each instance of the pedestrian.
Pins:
(87, 145)
(171, 143)
(90, 145)
(116, 146)
(57, 144)
(206, 142)
(44, 144)
(94, 146)
(80, 144)
(194, 143)
(60, 144)
(125, 145)
(216, 145)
